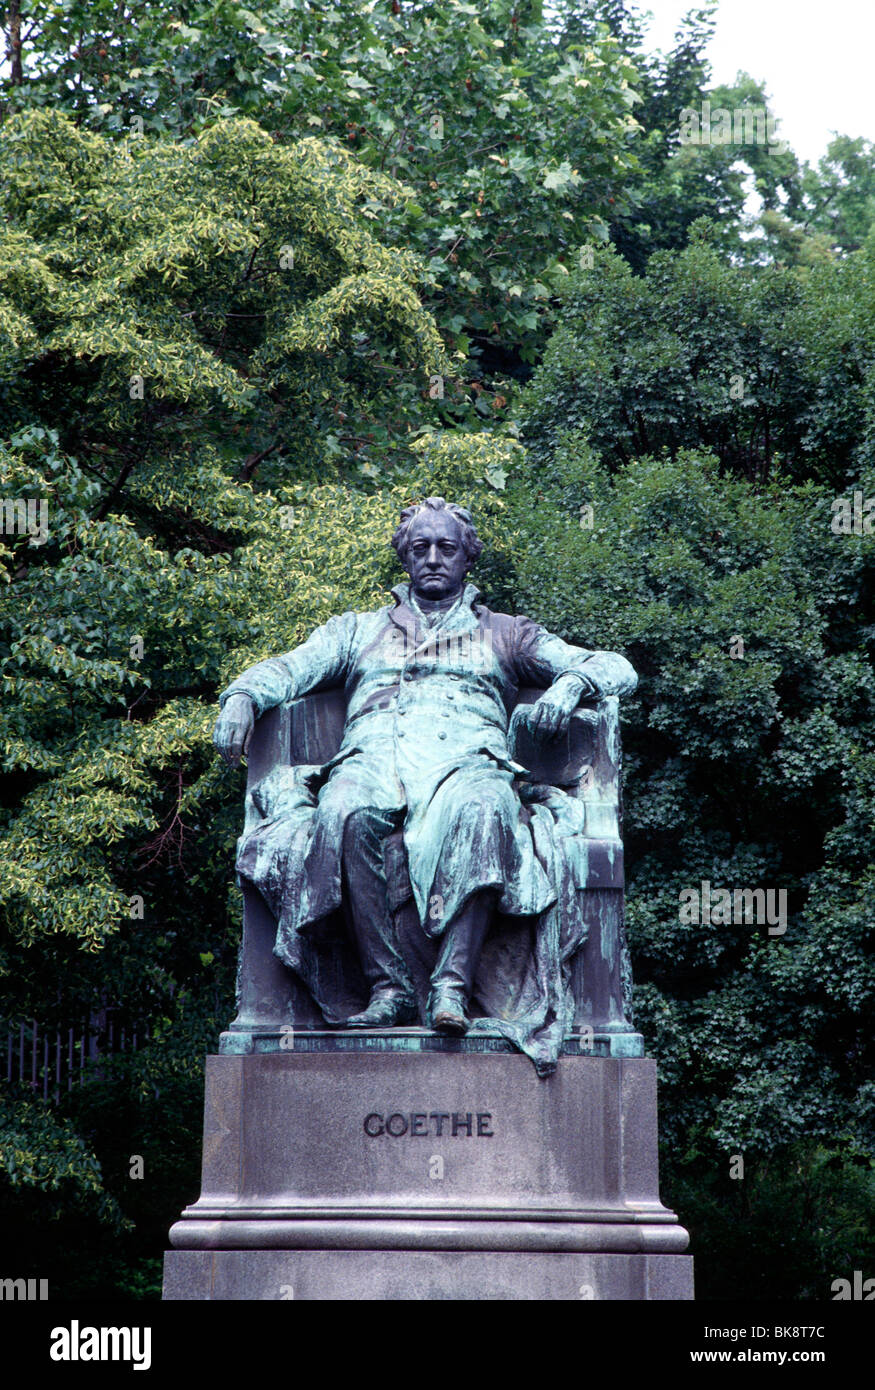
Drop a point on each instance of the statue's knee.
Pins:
(482, 808)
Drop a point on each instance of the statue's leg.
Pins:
(474, 827)
(392, 998)
(453, 978)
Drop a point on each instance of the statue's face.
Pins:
(436, 560)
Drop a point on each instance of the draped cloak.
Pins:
(428, 737)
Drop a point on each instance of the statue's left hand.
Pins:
(550, 716)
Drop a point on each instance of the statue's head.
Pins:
(437, 544)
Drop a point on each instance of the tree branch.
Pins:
(250, 464)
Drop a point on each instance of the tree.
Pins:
(182, 330)
(768, 367)
(748, 616)
(681, 175)
(515, 150)
(832, 209)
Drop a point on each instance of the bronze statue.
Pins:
(426, 765)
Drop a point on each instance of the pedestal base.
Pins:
(428, 1175)
(405, 1275)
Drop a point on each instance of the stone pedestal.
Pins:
(366, 1174)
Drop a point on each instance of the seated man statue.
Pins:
(429, 684)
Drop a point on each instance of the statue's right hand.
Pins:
(234, 728)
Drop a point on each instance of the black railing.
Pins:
(51, 1060)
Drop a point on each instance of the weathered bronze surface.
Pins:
(427, 871)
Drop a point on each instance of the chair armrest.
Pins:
(306, 731)
(584, 761)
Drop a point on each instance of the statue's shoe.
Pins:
(448, 1013)
(384, 1011)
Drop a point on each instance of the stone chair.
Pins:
(585, 762)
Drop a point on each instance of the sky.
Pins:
(815, 59)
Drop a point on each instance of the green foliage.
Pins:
(516, 150)
(40, 1150)
(831, 208)
(770, 368)
(51, 1182)
(745, 767)
(674, 182)
(160, 296)
(92, 1219)
(793, 1224)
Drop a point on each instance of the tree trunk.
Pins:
(13, 14)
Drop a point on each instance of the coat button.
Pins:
(441, 735)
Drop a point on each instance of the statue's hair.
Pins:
(470, 540)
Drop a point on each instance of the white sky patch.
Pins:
(814, 58)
